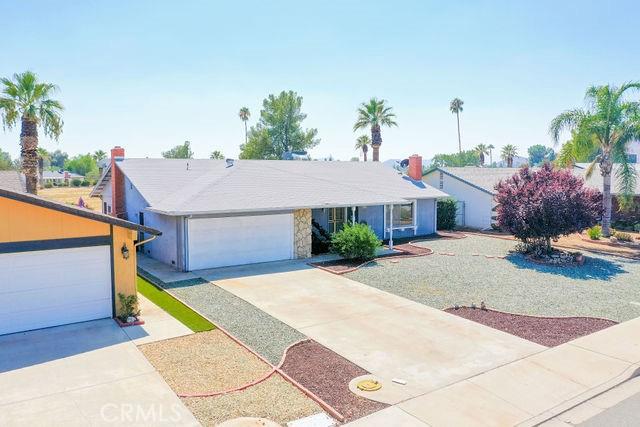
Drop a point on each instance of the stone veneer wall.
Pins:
(302, 233)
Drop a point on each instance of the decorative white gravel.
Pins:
(605, 286)
(263, 333)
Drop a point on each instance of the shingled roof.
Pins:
(203, 186)
(12, 180)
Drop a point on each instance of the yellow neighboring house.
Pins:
(62, 264)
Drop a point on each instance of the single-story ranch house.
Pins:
(473, 188)
(215, 213)
(61, 264)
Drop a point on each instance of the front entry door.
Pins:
(336, 219)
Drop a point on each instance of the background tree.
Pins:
(537, 207)
(26, 99)
(82, 164)
(217, 155)
(539, 154)
(99, 155)
(491, 147)
(244, 115)
(605, 127)
(5, 161)
(279, 129)
(362, 143)
(58, 159)
(481, 150)
(455, 106)
(182, 151)
(507, 154)
(465, 158)
(375, 114)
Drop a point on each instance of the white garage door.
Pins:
(219, 242)
(49, 288)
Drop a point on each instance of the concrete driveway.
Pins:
(387, 335)
(82, 374)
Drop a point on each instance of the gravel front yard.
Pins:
(213, 362)
(255, 328)
(328, 374)
(606, 286)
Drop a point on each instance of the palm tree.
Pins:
(604, 128)
(481, 150)
(375, 114)
(362, 143)
(490, 147)
(244, 115)
(456, 107)
(26, 99)
(508, 152)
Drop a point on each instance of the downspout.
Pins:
(390, 226)
(353, 215)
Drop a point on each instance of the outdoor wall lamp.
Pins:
(125, 251)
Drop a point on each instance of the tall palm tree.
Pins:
(490, 147)
(244, 115)
(27, 99)
(375, 114)
(508, 152)
(481, 150)
(455, 106)
(362, 143)
(605, 128)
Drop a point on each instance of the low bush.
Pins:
(85, 183)
(595, 232)
(357, 241)
(48, 185)
(636, 228)
(447, 214)
(128, 306)
(622, 236)
(76, 182)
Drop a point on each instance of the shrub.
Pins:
(447, 209)
(76, 182)
(636, 228)
(356, 241)
(622, 236)
(85, 183)
(595, 232)
(539, 206)
(128, 306)
(48, 185)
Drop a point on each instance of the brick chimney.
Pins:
(117, 183)
(415, 167)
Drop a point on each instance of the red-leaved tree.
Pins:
(537, 206)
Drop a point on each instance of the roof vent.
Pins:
(229, 162)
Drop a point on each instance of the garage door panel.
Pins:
(50, 288)
(218, 242)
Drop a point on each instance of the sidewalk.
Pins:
(531, 390)
(158, 324)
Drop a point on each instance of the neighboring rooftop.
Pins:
(74, 210)
(183, 187)
(12, 180)
(595, 180)
(59, 175)
(484, 179)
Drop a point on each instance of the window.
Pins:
(402, 215)
(336, 219)
(108, 209)
(441, 180)
(104, 207)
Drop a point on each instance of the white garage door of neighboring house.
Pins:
(219, 242)
(40, 289)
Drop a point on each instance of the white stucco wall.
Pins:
(478, 204)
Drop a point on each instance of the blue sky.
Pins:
(148, 75)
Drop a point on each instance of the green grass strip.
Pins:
(168, 303)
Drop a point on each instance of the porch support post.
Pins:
(390, 226)
(353, 215)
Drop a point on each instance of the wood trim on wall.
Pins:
(53, 244)
(113, 273)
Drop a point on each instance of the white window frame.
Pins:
(414, 225)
